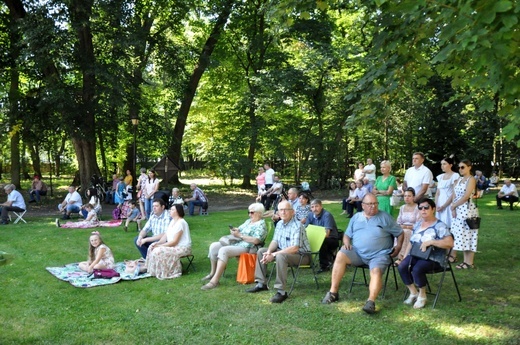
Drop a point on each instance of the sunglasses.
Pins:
(424, 207)
(251, 212)
(462, 167)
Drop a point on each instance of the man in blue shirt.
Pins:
(369, 239)
(154, 228)
(320, 217)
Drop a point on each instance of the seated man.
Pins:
(71, 204)
(482, 183)
(272, 193)
(369, 185)
(14, 203)
(289, 239)
(493, 180)
(369, 240)
(38, 188)
(319, 216)
(197, 199)
(155, 227)
(355, 202)
(507, 193)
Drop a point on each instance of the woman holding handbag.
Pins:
(463, 208)
(430, 236)
(251, 233)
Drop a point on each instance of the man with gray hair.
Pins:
(14, 203)
(321, 217)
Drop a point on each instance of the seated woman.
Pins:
(175, 198)
(408, 216)
(252, 233)
(303, 208)
(163, 259)
(94, 201)
(355, 202)
(428, 231)
(493, 180)
(351, 195)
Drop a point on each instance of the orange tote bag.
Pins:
(246, 268)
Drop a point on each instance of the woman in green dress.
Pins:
(384, 187)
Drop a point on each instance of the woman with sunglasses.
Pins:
(428, 231)
(463, 207)
(252, 233)
(444, 194)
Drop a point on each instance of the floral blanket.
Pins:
(78, 278)
(87, 225)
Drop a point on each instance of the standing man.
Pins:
(418, 177)
(319, 216)
(71, 204)
(289, 239)
(14, 203)
(155, 227)
(370, 171)
(269, 176)
(507, 193)
(369, 240)
(197, 199)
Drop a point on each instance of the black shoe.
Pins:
(370, 307)
(279, 298)
(330, 297)
(30, 201)
(499, 208)
(350, 216)
(323, 270)
(257, 288)
(4, 222)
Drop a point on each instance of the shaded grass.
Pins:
(39, 309)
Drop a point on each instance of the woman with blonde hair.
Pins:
(384, 187)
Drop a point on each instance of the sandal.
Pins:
(420, 303)
(411, 299)
(208, 277)
(209, 286)
(452, 259)
(464, 266)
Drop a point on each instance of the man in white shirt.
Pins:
(507, 193)
(418, 177)
(71, 204)
(269, 176)
(370, 171)
(14, 203)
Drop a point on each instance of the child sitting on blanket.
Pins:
(99, 255)
(134, 215)
(90, 222)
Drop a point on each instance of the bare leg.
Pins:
(83, 266)
(412, 288)
(141, 207)
(376, 283)
(338, 271)
(220, 267)
(469, 256)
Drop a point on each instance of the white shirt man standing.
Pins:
(370, 171)
(269, 176)
(418, 176)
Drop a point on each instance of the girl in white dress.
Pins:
(444, 194)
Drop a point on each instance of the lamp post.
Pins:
(135, 122)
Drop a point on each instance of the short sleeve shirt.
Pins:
(324, 219)
(291, 234)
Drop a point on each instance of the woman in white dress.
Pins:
(463, 207)
(444, 194)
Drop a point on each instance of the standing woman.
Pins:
(444, 194)
(260, 181)
(141, 181)
(384, 188)
(151, 186)
(462, 207)
(163, 260)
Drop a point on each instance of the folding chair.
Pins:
(447, 268)
(363, 267)
(19, 216)
(190, 258)
(316, 236)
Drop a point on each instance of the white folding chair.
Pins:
(19, 216)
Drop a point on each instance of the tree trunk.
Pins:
(14, 97)
(174, 151)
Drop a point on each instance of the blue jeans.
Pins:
(148, 207)
(70, 209)
(35, 194)
(144, 248)
(192, 204)
(413, 270)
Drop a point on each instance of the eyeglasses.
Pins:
(371, 204)
(427, 207)
(251, 212)
(285, 209)
(462, 167)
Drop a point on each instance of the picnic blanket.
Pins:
(87, 225)
(78, 278)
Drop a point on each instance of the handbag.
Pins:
(473, 221)
(418, 253)
(246, 268)
(105, 273)
(229, 240)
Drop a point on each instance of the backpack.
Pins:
(116, 213)
(104, 273)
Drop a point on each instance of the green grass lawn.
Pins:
(37, 308)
